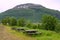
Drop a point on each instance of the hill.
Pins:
(30, 11)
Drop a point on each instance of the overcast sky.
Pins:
(8, 4)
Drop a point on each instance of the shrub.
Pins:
(13, 21)
(57, 28)
(49, 22)
(21, 22)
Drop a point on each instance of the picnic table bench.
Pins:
(32, 32)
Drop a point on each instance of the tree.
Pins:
(21, 22)
(5, 20)
(13, 21)
(29, 25)
(49, 22)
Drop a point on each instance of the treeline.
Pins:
(12, 21)
(48, 22)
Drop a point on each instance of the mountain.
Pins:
(28, 5)
(29, 11)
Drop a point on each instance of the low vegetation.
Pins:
(48, 27)
(46, 35)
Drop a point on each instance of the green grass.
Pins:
(46, 35)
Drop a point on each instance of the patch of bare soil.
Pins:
(4, 35)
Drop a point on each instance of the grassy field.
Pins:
(46, 35)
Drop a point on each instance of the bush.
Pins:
(39, 26)
(29, 25)
(34, 26)
(57, 28)
(49, 22)
(13, 21)
(21, 22)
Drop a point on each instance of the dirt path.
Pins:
(4, 35)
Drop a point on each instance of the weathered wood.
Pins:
(20, 29)
(32, 32)
(13, 28)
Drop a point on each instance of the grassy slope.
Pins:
(46, 35)
(19, 34)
